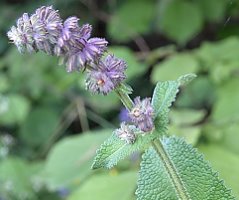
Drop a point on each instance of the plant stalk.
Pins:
(125, 99)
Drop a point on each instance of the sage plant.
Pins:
(171, 169)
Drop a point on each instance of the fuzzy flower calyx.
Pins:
(106, 75)
(142, 114)
(126, 133)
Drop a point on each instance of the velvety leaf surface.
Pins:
(113, 149)
(164, 95)
(197, 178)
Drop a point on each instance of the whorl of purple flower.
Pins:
(22, 35)
(76, 47)
(142, 114)
(126, 133)
(106, 75)
(45, 31)
(47, 26)
(37, 32)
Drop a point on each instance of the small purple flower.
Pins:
(106, 75)
(76, 47)
(99, 82)
(126, 133)
(142, 114)
(47, 25)
(22, 35)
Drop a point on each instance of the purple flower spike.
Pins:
(76, 47)
(22, 35)
(142, 114)
(126, 133)
(99, 82)
(106, 75)
(47, 25)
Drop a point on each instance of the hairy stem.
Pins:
(125, 99)
(177, 182)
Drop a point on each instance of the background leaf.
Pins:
(13, 109)
(40, 124)
(227, 170)
(107, 186)
(174, 66)
(73, 156)
(122, 28)
(175, 21)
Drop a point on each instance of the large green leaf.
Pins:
(13, 109)
(178, 171)
(128, 20)
(213, 10)
(68, 163)
(181, 20)
(15, 179)
(40, 124)
(226, 107)
(108, 187)
(174, 66)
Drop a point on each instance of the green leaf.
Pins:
(178, 171)
(213, 10)
(105, 186)
(226, 107)
(39, 126)
(13, 109)
(164, 95)
(184, 117)
(113, 149)
(198, 94)
(124, 24)
(224, 134)
(225, 162)
(174, 66)
(180, 20)
(15, 179)
(191, 134)
(68, 163)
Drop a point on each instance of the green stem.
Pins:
(177, 182)
(125, 99)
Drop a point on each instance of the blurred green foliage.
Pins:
(50, 126)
